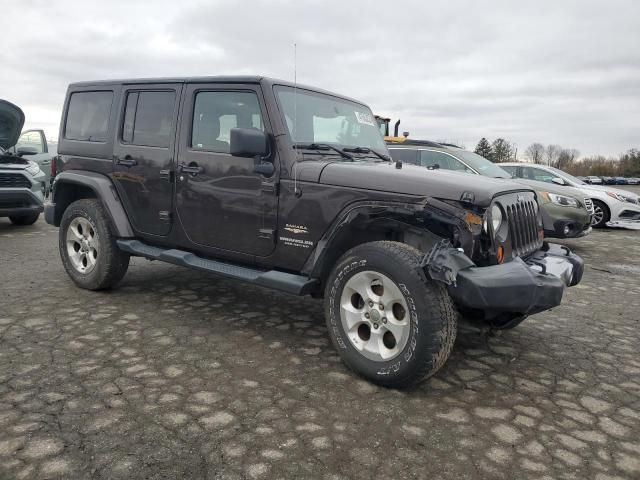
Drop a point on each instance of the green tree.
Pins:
(502, 151)
(484, 149)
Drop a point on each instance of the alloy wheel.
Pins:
(598, 214)
(375, 316)
(82, 245)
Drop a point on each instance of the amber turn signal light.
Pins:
(500, 254)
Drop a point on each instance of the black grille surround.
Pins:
(521, 211)
(14, 180)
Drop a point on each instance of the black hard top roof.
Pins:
(209, 79)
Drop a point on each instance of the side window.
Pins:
(148, 119)
(216, 113)
(407, 155)
(457, 165)
(510, 170)
(32, 140)
(431, 158)
(88, 116)
(537, 174)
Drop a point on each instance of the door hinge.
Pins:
(270, 187)
(266, 233)
(164, 215)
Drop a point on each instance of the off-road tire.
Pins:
(606, 214)
(25, 219)
(111, 264)
(433, 320)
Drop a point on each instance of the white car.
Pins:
(609, 204)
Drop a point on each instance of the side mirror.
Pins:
(22, 151)
(248, 142)
(558, 181)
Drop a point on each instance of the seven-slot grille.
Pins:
(588, 203)
(14, 180)
(521, 212)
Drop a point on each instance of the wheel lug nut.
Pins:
(366, 315)
(381, 307)
(375, 325)
(370, 303)
(384, 319)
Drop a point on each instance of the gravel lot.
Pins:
(178, 374)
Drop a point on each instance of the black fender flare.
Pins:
(416, 219)
(103, 189)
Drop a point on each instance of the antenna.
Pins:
(295, 118)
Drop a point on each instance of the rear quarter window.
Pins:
(88, 116)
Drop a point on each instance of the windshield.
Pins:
(566, 176)
(313, 117)
(482, 165)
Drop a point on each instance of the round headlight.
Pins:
(496, 218)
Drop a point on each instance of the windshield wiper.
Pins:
(367, 150)
(322, 146)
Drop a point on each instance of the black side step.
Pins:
(286, 282)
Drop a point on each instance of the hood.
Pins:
(552, 188)
(13, 162)
(415, 180)
(11, 122)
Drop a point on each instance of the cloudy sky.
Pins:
(565, 72)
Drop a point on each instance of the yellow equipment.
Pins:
(383, 125)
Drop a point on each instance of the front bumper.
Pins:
(565, 222)
(20, 201)
(624, 211)
(569, 229)
(520, 287)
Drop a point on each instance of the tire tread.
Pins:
(441, 318)
(115, 263)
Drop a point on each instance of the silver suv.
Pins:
(22, 183)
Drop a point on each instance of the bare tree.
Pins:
(566, 157)
(535, 153)
(551, 154)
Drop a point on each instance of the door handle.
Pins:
(192, 168)
(127, 161)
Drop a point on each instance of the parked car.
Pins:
(633, 181)
(620, 181)
(307, 201)
(609, 204)
(593, 180)
(566, 213)
(33, 143)
(22, 183)
(608, 181)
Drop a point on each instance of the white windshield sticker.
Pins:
(365, 118)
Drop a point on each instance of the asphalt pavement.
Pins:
(179, 374)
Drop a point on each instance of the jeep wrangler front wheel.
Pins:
(88, 249)
(388, 322)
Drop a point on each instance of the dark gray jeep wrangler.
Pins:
(291, 188)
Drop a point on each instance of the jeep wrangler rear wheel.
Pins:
(388, 322)
(25, 219)
(88, 249)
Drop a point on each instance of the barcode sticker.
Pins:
(365, 118)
